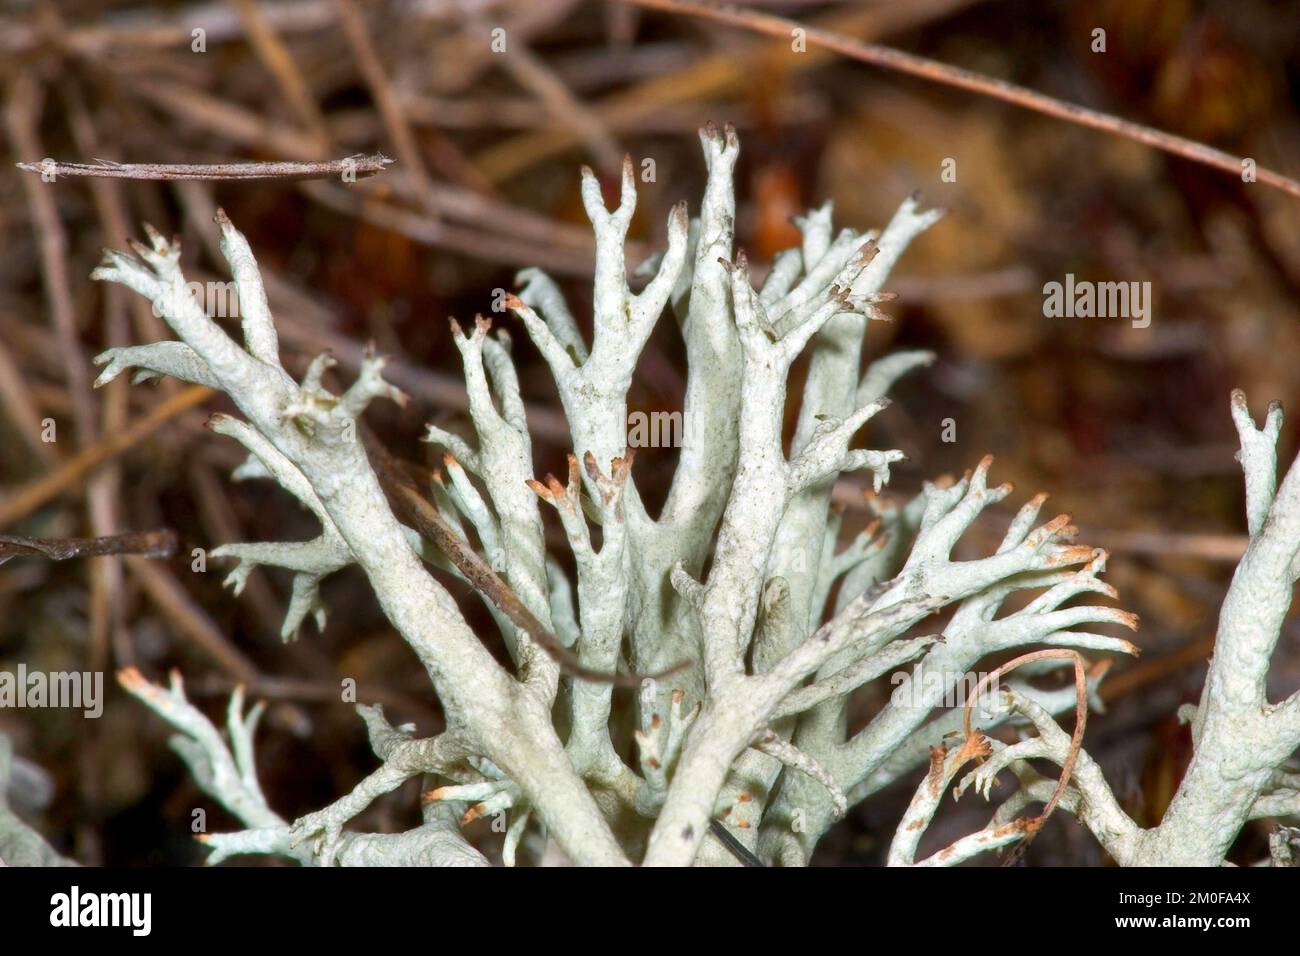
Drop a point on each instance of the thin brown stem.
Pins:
(35, 493)
(410, 505)
(149, 544)
(274, 54)
(358, 166)
(190, 619)
(1033, 825)
(936, 72)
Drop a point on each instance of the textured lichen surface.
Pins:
(740, 594)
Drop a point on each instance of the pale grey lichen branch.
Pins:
(1241, 741)
(760, 622)
(508, 720)
(227, 772)
(21, 844)
(1090, 800)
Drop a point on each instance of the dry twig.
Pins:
(358, 166)
(35, 493)
(149, 544)
(927, 69)
(1033, 825)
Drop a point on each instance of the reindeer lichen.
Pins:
(741, 576)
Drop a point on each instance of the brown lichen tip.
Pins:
(433, 796)
(538, 488)
(620, 468)
(473, 813)
(1051, 528)
(513, 301)
(220, 218)
(449, 460)
(975, 746)
(1128, 619)
(1069, 555)
(131, 679)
